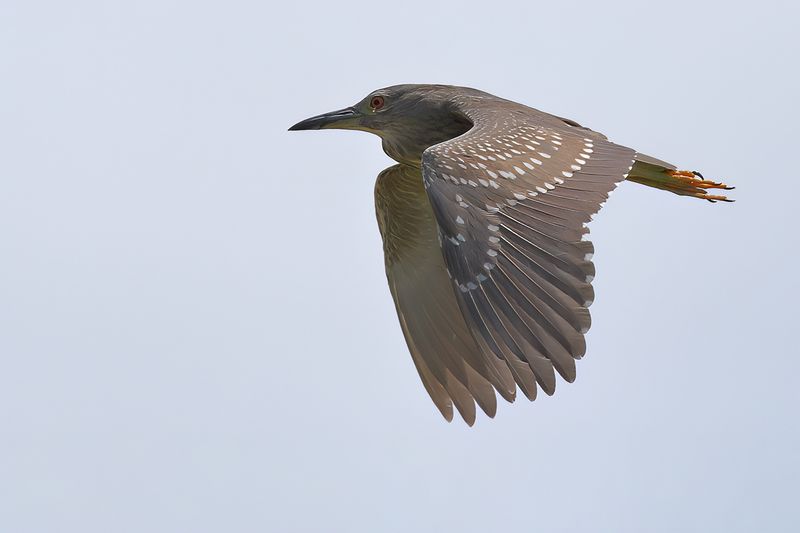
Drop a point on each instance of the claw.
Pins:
(693, 184)
(714, 198)
(683, 182)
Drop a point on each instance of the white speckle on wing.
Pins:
(459, 220)
(491, 253)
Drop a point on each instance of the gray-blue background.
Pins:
(195, 329)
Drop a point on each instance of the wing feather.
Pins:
(511, 198)
(454, 369)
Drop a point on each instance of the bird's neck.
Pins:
(403, 151)
(407, 144)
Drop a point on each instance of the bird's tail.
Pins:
(661, 175)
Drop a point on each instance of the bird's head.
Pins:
(409, 118)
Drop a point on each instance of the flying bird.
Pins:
(483, 220)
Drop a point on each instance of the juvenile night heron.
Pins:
(484, 232)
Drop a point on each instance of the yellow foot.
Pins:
(691, 183)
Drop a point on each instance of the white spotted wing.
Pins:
(511, 198)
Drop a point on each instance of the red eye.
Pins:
(376, 102)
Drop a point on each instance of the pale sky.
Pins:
(195, 328)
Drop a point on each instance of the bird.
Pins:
(484, 226)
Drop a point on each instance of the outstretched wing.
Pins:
(511, 198)
(452, 367)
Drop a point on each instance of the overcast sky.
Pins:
(195, 328)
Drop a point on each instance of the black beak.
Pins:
(334, 119)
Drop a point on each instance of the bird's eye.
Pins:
(376, 102)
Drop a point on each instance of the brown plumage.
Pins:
(484, 228)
